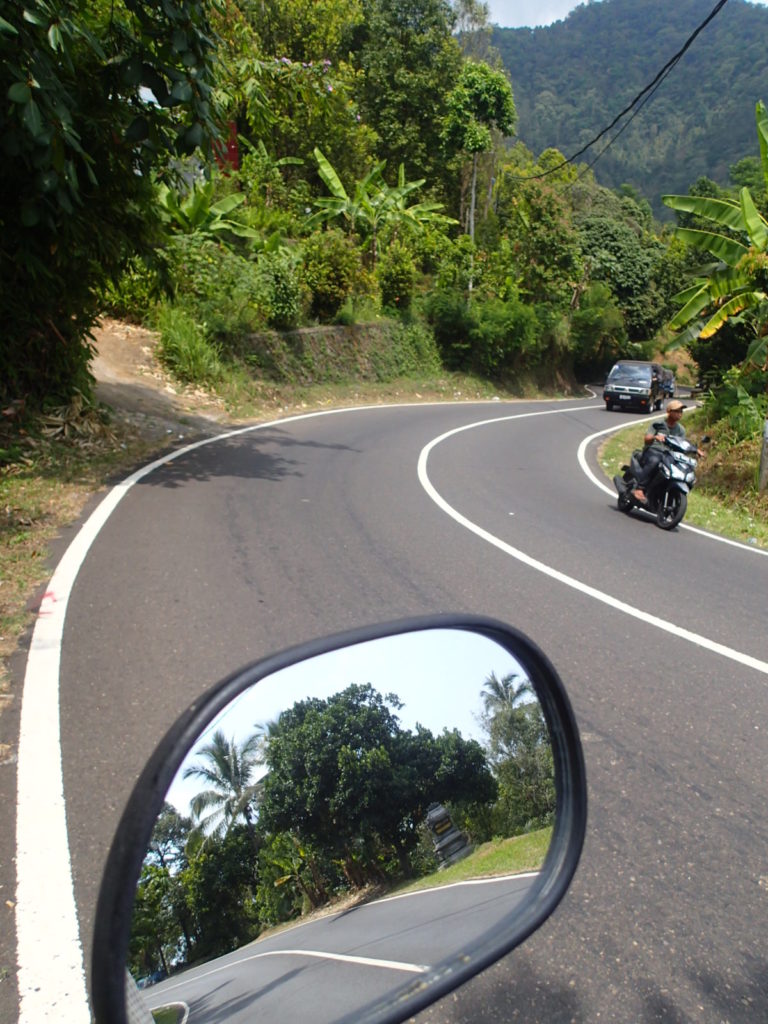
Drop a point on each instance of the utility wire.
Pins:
(644, 95)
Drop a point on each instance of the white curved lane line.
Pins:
(51, 974)
(582, 456)
(318, 954)
(555, 574)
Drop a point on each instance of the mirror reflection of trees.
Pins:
(329, 800)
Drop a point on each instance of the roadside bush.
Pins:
(184, 347)
(396, 273)
(411, 351)
(280, 288)
(330, 266)
(217, 287)
(452, 319)
(505, 337)
(741, 400)
(136, 291)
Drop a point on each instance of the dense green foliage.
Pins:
(329, 797)
(80, 141)
(571, 78)
(368, 174)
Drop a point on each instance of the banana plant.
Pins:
(735, 286)
(373, 205)
(195, 212)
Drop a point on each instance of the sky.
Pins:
(516, 13)
(437, 674)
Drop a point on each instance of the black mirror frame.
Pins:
(116, 896)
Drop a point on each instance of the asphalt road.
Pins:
(346, 963)
(291, 531)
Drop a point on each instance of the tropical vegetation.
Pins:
(234, 174)
(331, 799)
(314, 195)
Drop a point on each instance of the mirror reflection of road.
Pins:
(343, 962)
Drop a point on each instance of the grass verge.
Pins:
(53, 473)
(725, 499)
(497, 857)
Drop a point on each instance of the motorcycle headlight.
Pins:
(690, 477)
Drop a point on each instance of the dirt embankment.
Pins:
(131, 380)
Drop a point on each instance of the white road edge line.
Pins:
(318, 954)
(51, 973)
(455, 885)
(569, 581)
(582, 457)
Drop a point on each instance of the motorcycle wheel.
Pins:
(672, 508)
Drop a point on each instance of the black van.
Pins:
(634, 384)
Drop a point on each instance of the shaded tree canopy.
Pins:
(343, 769)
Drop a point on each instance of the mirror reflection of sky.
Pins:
(437, 674)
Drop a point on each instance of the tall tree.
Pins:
(345, 775)
(410, 61)
(520, 753)
(481, 101)
(227, 766)
(81, 138)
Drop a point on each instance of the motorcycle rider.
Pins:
(654, 444)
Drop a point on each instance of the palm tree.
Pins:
(504, 712)
(228, 769)
(502, 694)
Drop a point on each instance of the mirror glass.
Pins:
(342, 830)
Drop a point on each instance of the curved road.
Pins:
(292, 530)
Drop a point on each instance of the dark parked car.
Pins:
(633, 384)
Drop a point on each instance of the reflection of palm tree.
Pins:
(502, 694)
(265, 732)
(227, 766)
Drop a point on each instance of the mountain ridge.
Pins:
(570, 79)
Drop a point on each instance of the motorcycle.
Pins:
(345, 784)
(668, 489)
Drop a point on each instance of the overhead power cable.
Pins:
(644, 95)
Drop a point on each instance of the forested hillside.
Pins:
(571, 78)
(233, 174)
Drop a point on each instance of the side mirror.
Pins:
(345, 831)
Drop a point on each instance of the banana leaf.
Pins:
(726, 249)
(756, 226)
(692, 308)
(758, 351)
(746, 300)
(725, 212)
(329, 175)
